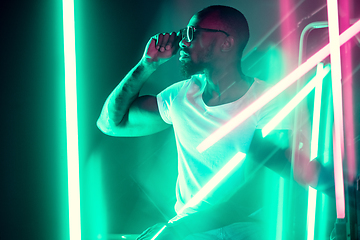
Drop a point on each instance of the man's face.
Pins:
(201, 52)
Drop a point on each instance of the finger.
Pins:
(176, 43)
(177, 40)
(159, 38)
(171, 40)
(152, 43)
(164, 42)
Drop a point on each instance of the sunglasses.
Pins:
(189, 31)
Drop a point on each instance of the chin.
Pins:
(188, 68)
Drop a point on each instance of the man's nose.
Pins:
(183, 43)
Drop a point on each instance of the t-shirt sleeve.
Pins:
(165, 99)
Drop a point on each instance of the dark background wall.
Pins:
(118, 175)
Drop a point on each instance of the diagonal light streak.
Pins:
(321, 73)
(207, 188)
(158, 233)
(213, 182)
(276, 90)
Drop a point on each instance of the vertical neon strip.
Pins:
(71, 120)
(273, 202)
(276, 90)
(288, 30)
(323, 226)
(316, 114)
(328, 131)
(280, 207)
(346, 55)
(312, 193)
(333, 19)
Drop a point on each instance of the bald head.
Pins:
(232, 22)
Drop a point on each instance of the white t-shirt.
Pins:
(182, 105)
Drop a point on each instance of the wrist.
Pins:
(148, 64)
(325, 179)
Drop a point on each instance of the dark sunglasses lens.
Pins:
(184, 33)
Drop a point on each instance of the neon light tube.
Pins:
(313, 154)
(280, 207)
(158, 233)
(316, 114)
(348, 104)
(71, 120)
(335, 60)
(311, 213)
(276, 90)
(321, 73)
(209, 186)
(204, 191)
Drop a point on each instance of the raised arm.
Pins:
(124, 112)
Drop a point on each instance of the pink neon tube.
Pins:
(338, 137)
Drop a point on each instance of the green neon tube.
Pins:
(313, 154)
(71, 120)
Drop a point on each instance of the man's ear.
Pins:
(228, 44)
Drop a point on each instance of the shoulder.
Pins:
(196, 81)
(261, 86)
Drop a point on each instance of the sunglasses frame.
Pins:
(185, 32)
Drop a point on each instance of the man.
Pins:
(211, 48)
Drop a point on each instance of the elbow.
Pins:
(110, 128)
(104, 127)
(101, 126)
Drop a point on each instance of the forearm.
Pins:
(127, 91)
(219, 216)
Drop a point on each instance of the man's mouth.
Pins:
(184, 56)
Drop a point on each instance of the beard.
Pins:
(188, 68)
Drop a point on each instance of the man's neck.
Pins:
(224, 86)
